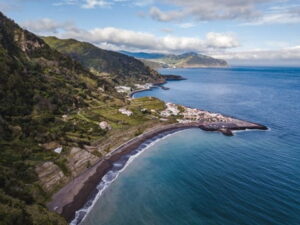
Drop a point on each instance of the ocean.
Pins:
(193, 177)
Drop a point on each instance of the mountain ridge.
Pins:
(185, 60)
(120, 69)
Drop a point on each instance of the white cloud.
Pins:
(284, 56)
(254, 12)
(278, 15)
(220, 45)
(209, 10)
(89, 4)
(219, 40)
(46, 25)
(132, 40)
(157, 14)
(66, 2)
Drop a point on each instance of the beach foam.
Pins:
(112, 175)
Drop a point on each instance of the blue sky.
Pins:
(240, 31)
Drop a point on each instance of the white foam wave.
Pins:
(113, 174)
(249, 130)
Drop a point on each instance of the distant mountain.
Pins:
(116, 67)
(186, 60)
(143, 55)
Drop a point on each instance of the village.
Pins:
(188, 115)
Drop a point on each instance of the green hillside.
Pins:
(47, 99)
(118, 68)
(37, 86)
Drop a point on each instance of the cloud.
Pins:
(157, 14)
(278, 15)
(284, 56)
(209, 10)
(116, 38)
(220, 40)
(90, 4)
(66, 2)
(132, 40)
(219, 45)
(45, 25)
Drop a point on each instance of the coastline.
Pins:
(76, 193)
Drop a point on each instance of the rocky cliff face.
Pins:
(79, 160)
(51, 176)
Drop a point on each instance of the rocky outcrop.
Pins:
(25, 41)
(79, 160)
(50, 176)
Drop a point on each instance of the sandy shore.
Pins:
(74, 195)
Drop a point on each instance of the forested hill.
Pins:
(58, 118)
(37, 86)
(119, 68)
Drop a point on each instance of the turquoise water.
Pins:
(194, 177)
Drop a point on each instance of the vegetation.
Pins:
(118, 68)
(47, 97)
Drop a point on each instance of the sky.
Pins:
(243, 32)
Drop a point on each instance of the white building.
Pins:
(143, 86)
(123, 89)
(171, 109)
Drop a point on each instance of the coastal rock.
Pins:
(226, 132)
(171, 77)
(79, 160)
(50, 176)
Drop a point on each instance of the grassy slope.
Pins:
(119, 68)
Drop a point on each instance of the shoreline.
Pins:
(154, 85)
(73, 196)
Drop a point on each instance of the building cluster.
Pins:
(143, 86)
(189, 115)
(171, 110)
(192, 115)
(123, 89)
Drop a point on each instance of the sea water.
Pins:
(194, 177)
